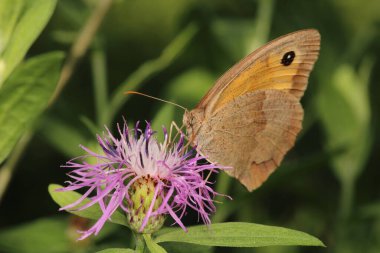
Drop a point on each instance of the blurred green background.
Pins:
(327, 185)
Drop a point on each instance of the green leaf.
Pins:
(239, 234)
(152, 246)
(24, 96)
(52, 235)
(10, 11)
(35, 236)
(93, 212)
(116, 250)
(178, 247)
(20, 36)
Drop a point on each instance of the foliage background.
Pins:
(327, 185)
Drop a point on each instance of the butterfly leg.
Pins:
(179, 130)
(169, 140)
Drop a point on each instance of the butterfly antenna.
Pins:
(156, 98)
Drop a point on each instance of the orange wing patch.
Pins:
(268, 71)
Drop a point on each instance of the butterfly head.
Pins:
(192, 121)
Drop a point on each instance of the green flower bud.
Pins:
(142, 194)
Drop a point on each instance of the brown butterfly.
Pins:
(251, 117)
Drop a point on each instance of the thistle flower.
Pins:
(146, 179)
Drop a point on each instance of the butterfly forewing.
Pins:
(264, 69)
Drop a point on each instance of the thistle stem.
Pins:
(140, 243)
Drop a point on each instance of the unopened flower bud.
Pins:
(142, 194)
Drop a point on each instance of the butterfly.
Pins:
(252, 115)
